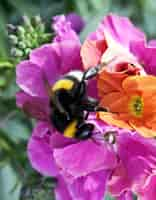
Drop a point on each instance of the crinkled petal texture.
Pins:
(137, 160)
(63, 29)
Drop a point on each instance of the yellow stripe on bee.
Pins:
(63, 84)
(71, 130)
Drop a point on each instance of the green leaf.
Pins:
(16, 126)
(36, 187)
(7, 183)
(3, 49)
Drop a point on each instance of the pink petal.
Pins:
(137, 156)
(33, 105)
(120, 181)
(148, 191)
(64, 30)
(61, 190)
(47, 59)
(40, 152)
(30, 79)
(121, 29)
(83, 158)
(146, 55)
(91, 187)
(69, 53)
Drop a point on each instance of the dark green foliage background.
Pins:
(17, 180)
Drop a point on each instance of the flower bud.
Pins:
(13, 39)
(16, 52)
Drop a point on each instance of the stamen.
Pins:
(136, 106)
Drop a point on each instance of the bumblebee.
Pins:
(71, 105)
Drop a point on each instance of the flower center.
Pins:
(136, 106)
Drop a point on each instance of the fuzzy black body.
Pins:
(71, 105)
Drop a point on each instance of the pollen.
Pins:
(136, 106)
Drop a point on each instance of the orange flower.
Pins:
(131, 101)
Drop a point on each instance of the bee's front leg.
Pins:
(92, 105)
(84, 131)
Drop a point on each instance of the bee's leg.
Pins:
(100, 109)
(92, 105)
(84, 131)
(86, 115)
(89, 104)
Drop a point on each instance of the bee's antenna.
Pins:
(93, 71)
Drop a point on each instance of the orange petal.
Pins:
(140, 83)
(113, 119)
(149, 99)
(110, 82)
(104, 88)
(143, 130)
(116, 102)
(151, 122)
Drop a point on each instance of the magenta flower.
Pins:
(86, 169)
(82, 176)
(136, 169)
(49, 152)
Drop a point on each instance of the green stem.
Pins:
(6, 64)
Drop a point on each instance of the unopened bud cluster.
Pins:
(23, 38)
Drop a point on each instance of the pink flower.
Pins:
(111, 44)
(81, 167)
(84, 169)
(136, 169)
